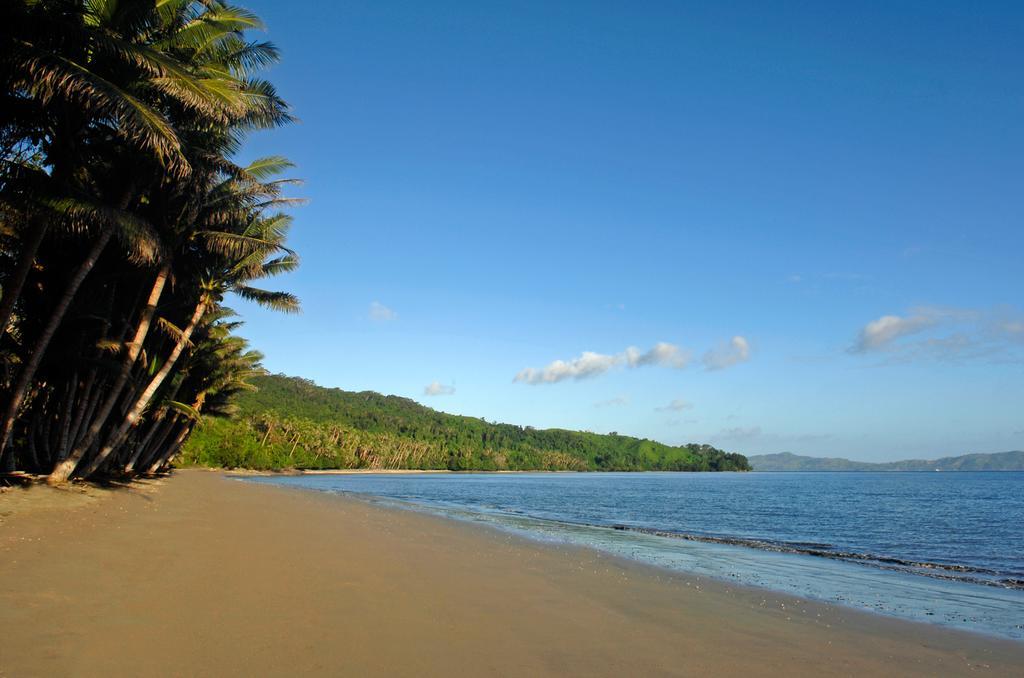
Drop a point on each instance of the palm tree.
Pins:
(220, 369)
(124, 61)
(117, 124)
(241, 246)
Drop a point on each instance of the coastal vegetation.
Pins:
(125, 220)
(287, 422)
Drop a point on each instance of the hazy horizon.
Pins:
(769, 228)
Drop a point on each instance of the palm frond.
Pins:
(51, 76)
(136, 235)
(183, 409)
(171, 330)
(284, 302)
(262, 169)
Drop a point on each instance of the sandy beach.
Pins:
(197, 574)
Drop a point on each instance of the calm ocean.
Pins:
(946, 548)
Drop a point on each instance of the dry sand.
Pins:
(202, 575)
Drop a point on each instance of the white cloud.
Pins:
(677, 405)
(590, 364)
(879, 333)
(381, 313)
(437, 388)
(727, 354)
(664, 354)
(951, 334)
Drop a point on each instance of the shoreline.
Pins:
(407, 471)
(197, 574)
(842, 600)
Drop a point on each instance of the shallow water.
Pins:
(946, 548)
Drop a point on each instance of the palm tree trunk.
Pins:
(143, 400)
(89, 402)
(145, 451)
(12, 291)
(65, 419)
(47, 437)
(81, 405)
(28, 371)
(64, 468)
(172, 449)
(33, 457)
(145, 455)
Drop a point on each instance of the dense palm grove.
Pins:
(124, 222)
(293, 423)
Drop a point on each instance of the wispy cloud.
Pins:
(727, 354)
(664, 354)
(436, 388)
(882, 332)
(677, 405)
(1013, 329)
(944, 333)
(618, 401)
(590, 364)
(381, 313)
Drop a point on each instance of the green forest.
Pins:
(288, 422)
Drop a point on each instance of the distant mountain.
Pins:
(999, 461)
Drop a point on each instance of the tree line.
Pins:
(288, 422)
(125, 220)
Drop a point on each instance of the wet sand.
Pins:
(202, 575)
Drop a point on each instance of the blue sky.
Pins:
(767, 226)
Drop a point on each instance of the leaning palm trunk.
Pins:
(165, 458)
(145, 451)
(13, 289)
(89, 401)
(65, 419)
(28, 371)
(65, 467)
(33, 456)
(117, 437)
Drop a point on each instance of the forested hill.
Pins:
(293, 423)
(999, 461)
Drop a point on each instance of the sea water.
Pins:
(945, 548)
